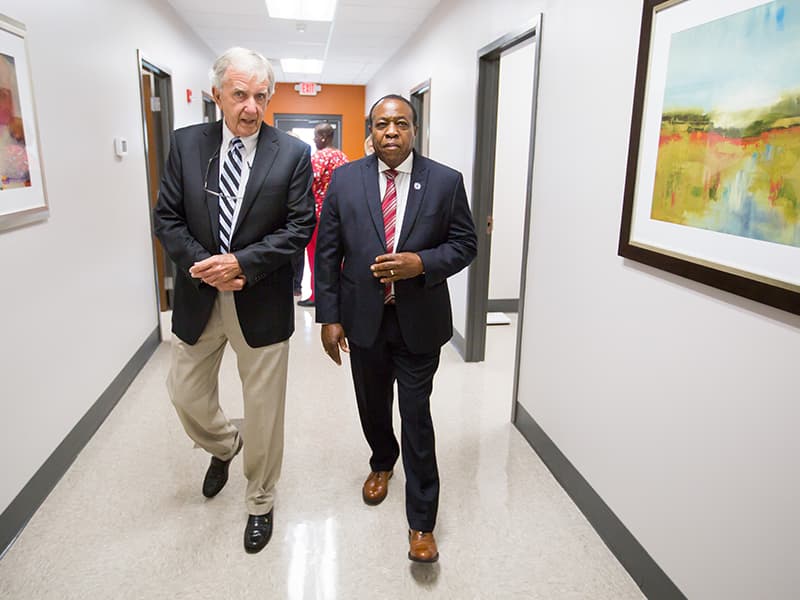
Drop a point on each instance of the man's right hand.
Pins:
(333, 339)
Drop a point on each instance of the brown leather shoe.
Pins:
(376, 487)
(422, 546)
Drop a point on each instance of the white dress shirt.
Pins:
(402, 183)
(250, 142)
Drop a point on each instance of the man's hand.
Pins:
(394, 267)
(333, 339)
(221, 271)
(233, 285)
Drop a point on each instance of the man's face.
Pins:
(393, 131)
(242, 101)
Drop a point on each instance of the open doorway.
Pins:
(209, 108)
(502, 186)
(302, 126)
(157, 122)
(421, 101)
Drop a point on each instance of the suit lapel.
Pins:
(266, 151)
(209, 164)
(416, 192)
(372, 195)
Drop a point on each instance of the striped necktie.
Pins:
(230, 178)
(389, 209)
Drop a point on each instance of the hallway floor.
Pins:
(128, 519)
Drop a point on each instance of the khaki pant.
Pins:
(193, 388)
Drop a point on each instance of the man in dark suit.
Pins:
(393, 228)
(235, 205)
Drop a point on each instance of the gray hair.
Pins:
(247, 61)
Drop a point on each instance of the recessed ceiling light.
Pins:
(301, 65)
(302, 10)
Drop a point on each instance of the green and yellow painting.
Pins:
(729, 148)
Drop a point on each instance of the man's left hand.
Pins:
(394, 267)
(218, 271)
(232, 285)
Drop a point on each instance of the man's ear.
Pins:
(215, 94)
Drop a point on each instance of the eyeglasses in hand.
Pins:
(216, 193)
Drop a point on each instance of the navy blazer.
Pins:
(275, 222)
(437, 226)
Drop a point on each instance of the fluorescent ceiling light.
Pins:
(301, 65)
(302, 10)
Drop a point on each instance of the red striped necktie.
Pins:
(389, 209)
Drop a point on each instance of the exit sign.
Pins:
(306, 88)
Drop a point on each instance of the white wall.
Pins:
(511, 171)
(78, 293)
(677, 402)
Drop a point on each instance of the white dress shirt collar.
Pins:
(403, 167)
(249, 142)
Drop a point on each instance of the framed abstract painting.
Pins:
(22, 192)
(713, 176)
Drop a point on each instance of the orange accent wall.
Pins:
(345, 100)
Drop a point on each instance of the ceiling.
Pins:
(363, 35)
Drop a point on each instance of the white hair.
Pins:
(247, 61)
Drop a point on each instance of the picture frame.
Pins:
(712, 190)
(23, 197)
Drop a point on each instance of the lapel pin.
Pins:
(417, 185)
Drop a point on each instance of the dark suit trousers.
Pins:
(375, 369)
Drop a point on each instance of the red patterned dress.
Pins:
(323, 163)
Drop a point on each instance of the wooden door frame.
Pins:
(154, 161)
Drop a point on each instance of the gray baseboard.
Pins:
(459, 343)
(654, 583)
(27, 502)
(506, 305)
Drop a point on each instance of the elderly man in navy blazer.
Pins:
(394, 226)
(235, 206)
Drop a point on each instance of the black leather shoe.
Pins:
(258, 532)
(305, 303)
(217, 474)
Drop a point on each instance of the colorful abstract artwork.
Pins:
(22, 193)
(729, 147)
(14, 170)
(712, 184)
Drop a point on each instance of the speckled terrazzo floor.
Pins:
(128, 519)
